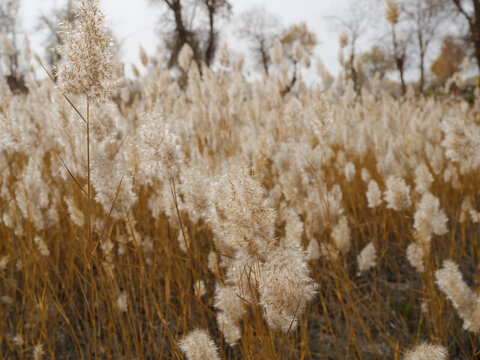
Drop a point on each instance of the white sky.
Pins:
(134, 22)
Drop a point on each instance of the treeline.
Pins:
(377, 38)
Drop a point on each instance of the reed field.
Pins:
(223, 217)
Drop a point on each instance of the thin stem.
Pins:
(65, 96)
(90, 240)
(187, 245)
(108, 217)
(89, 225)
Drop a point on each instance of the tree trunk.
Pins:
(182, 34)
(352, 69)
(474, 25)
(180, 27)
(475, 30)
(422, 72)
(402, 80)
(399, 60)
(210, 51)
(265, 60)
(263, 50)
(422, 61)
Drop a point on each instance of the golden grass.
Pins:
(121, 287)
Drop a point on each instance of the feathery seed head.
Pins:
(426, 351)
(41, 246)
(185, 56)
(349, 171)
(429, 218)
(285, 287)
(229, 328)
(341, 235)
(367, 258)
(313, 250)
(461, 141)
(87, 66)
(229, 302)
(415, 256)
(391, 11)
(374, 195)
(397, 194)
(243, 214)
(423, 178)
(122, 302)
(365, 175)
(160, 156)
(197, 345)
(450, 280)
(143, 56)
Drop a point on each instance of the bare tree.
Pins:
(375, 61)
(214, 8)
(9, 29)
(353, 22)
(181, 34)
(400, 40)
(425, 17)
(401, 43)
(260, 29)
(183, 15)
(298, 41)
(470, 10)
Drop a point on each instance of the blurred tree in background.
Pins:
(183, 15)
(9, 43)
(450, 59)
(416, 38)
(374, 62)
(260, 29)
(469, 10)
(424, 19)
(353, 24)
(214, 8)
(297, 41)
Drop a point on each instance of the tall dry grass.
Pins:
(312, 225)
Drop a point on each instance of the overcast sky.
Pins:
(134, 23)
